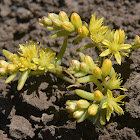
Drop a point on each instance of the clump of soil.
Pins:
(38, 110)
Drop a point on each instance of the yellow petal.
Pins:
(41, 68)
(124, 46)
(118, 57)
(104, 105)
(106, 42)
(23, 69)
(105, 53)
(36, 60)
(51, 56)
(108, 114)
(92, 21)
(124, 89)
(50, 66)
(119, 98)
(109, 94)
(118, 109)
(116, 37)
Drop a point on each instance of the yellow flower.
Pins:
(112, 105)
(22, 63)
(25, 64)
(115, 82)
(95, 24)
(15, 59)
(29, 50)
(96, 29)
(115, 46)
(98, 37)
(45, 60)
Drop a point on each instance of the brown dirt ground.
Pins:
(38, 111)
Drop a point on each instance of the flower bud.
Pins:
(57, 22)
(7, 54)
(98, 96)
(84, 67)
(76, 20)
(75, 65)
(70, 102)
(92, 110)
(72, 107)
(63, 16)
(51, 16)
(97, 72)
(136, 44)
(83, 103)
(11, 68)
(3, 72)
(77, 114)
(83, 31)
(45, 21)
(68, 26)
(106, 67)
(137, 39)
(3, 64)
(88, 60)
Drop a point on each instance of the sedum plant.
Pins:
(96, 104)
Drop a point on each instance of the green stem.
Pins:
(63, 77)
(90, 78)
(61, 52)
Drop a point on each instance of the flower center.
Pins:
(114, 47)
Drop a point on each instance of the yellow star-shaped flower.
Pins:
(112, 105)
(116, 45)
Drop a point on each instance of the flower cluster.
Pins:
(106, 79)
(30, 58)
(64, 25)
(97, 108)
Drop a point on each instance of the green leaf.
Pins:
(22, 79)
(76, 40)
(7, 54)
(11, 77)
(59, 34)
(90, 45)
(85, 79)
(85, 94)
(80, 74)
